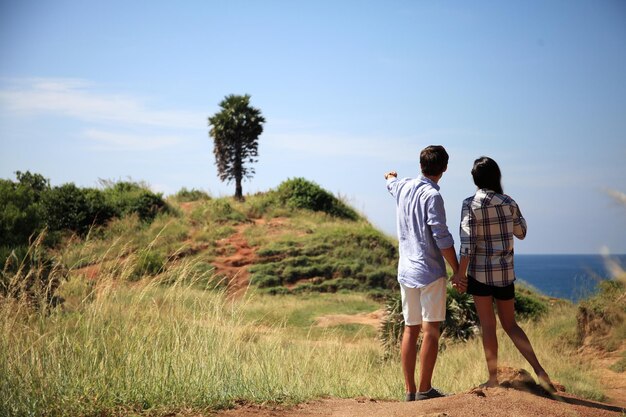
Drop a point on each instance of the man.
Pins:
(424, 243)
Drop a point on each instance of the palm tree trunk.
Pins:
(238, 191)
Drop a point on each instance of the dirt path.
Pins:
(613, 383)
(372, 319)
(492, 402)
(519, 396)
(236, 254)
(232, 263)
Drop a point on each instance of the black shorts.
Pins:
(475, 287)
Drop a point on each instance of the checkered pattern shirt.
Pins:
(488, 223)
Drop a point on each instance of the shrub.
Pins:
(185, 195)
(461, 317)
(302, 194)
(131, 197)
(461, 321)
(21, 214)
(68, 207)
(528, 305)
(392, 326)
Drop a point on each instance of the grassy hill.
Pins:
(214, 302)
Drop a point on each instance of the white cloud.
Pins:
(78, 99)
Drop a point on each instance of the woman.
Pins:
(489, 221)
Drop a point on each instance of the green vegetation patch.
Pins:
(332, 257)
(300, 193)
(299, 314)
(602, 318)
(184, 195)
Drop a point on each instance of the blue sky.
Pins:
(350, 89)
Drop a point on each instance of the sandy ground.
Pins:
(518, 395)
(492, 402)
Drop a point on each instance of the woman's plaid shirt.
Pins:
(488, 223)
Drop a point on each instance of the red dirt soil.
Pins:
(236, 256)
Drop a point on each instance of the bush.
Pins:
(185, 195)
(302, 194)
(68, 207)
(130, 197)
(461, 317)
(21, 214)
(528, 305)
(29, 205)
(392, 327)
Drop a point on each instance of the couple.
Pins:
(489, 220)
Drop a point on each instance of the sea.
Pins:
(571, 277)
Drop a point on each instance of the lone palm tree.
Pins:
(235, 130)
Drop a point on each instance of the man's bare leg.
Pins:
(409, 356)
(428, 354)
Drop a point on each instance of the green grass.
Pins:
(333, 255)
(151, 348)
(297, 314)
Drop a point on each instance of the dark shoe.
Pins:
(410, 396)
(432, 393)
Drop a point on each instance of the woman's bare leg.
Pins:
(484, 308)
(506, 313)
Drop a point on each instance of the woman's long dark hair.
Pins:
(486, 174)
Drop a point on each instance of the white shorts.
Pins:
(425, 303)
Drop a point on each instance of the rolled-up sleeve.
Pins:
(392, 185)
(467, 230)
(436, 219)
(519, 223)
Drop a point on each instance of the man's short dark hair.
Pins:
(433, 160)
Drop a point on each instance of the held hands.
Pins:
(391, 174)
(459, 282)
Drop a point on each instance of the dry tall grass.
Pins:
(164, 344)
